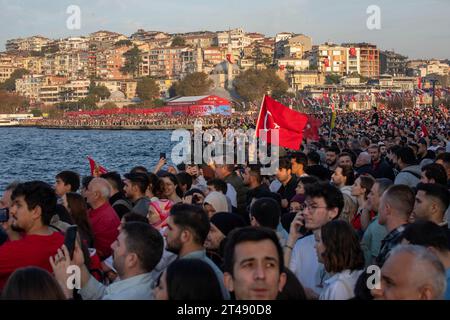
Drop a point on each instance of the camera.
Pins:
(4, 215)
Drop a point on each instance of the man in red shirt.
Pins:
(33, 205)
(104, 219)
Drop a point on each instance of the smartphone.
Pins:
(162, 155)
(4, 215)
(70, 238)
(303, 230)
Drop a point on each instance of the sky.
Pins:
(416, 28)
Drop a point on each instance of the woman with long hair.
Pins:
(338, 248)
(77, 207)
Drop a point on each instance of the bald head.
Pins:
(363, 159)
(98, 192)
(423, 278)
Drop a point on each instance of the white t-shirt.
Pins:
(340, 286)
(304, 263)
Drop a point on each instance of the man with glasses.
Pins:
(323, 203)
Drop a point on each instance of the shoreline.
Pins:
(117, 128)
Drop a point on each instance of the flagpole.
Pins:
(259, 116)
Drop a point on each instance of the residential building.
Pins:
(393, 63)
(436, 67)
(7, 67)
(166, 63)
(126, 86)
(353, 61)
(293, 64)
(329, 58)
(109, 62)
(34, 43)
(214, 55)
(203, 39)
(298, 80)
(370, 59)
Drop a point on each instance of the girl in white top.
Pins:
(338, 248)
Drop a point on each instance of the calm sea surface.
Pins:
(39, 154)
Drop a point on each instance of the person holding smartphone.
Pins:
(33, 206)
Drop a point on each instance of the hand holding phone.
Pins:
(70, 238)
(4, 215)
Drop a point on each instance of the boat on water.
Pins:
(8, 123)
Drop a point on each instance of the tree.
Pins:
(132, 60)
(88, 103)
(10, 84)
(332, 78)
(252, 85)
(109, 105)
(261, 57)
(121, 43)
(178, 42)
(11, 102)
(101, 92)
(194, 84)
(147, 89)
(36, 113)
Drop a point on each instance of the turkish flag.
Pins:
(312, 128)
(96, 170)
(230, 58)
(288, 123)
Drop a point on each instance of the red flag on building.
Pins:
(289, 123)
(96, 169)
(229, 58)
(326, 62)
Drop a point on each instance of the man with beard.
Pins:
(331, 158)
(187, 229)
(136, 252)
(33, 205)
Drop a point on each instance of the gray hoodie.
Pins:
(408, 176)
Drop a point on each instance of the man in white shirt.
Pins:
(136, 252)
(324, 203)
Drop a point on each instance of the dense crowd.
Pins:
(371, 193)
(146, 120)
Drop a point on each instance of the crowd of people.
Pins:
(157, 120)
(370, 194)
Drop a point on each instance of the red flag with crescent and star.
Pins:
(289, 123)
(96, 169)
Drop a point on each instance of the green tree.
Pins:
(101, 92)
(332, 78)
(109, 105)
(36, 112)
(194, 84)
(121, 43)
(132, 60)
(261, 57)
(10, 84)
(252, 85)
(147, 89)
(88, 103)
(158, 103)
(178, 42)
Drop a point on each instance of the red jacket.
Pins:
(104, 221)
